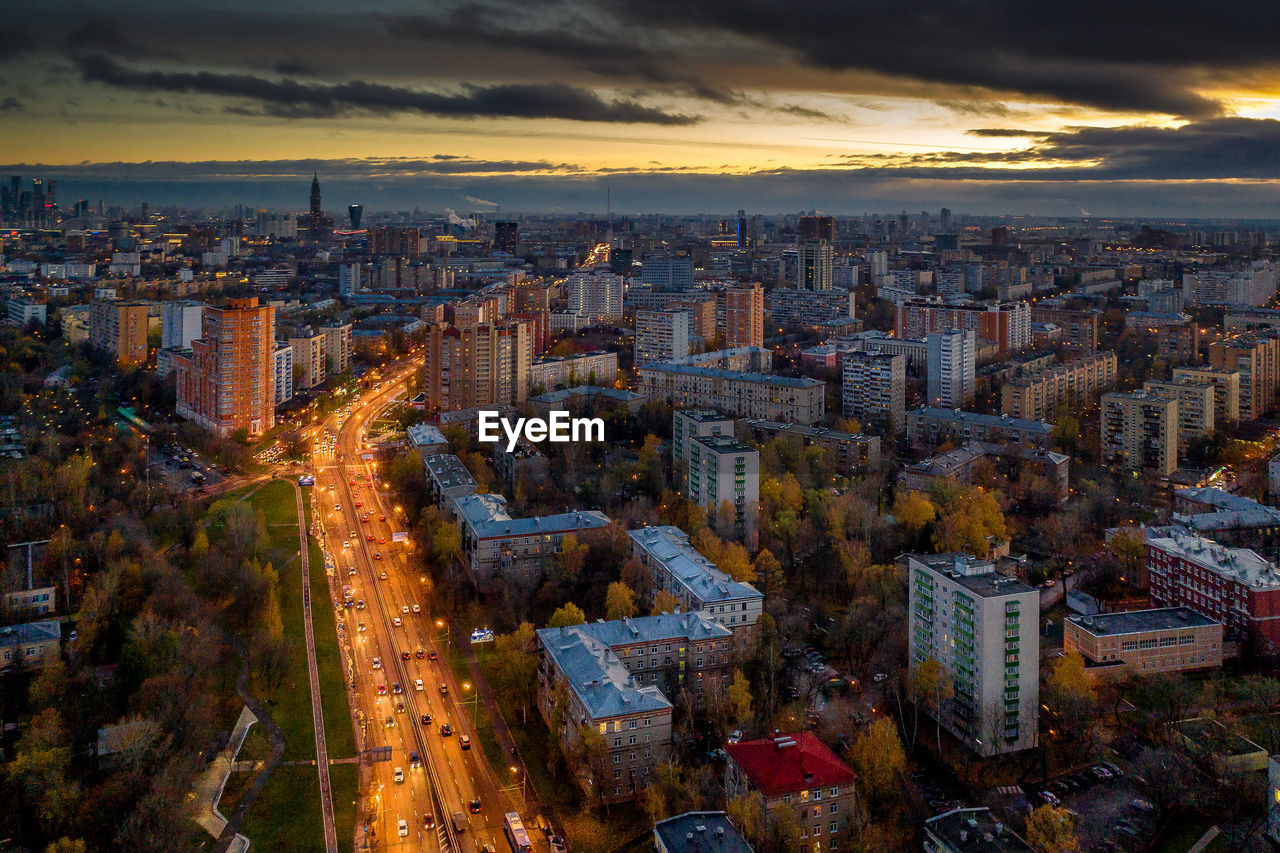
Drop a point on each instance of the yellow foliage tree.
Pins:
(879, 759)
(1052, 830)
(913, 511)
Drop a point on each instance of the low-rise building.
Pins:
(587, 399)
(929, 427)
(971, 830)
(494, 544)
(448, 479)
(852, 453)
(427, 439)
(29, 603)
(520, 468)
(1226, 518)
(1142, 642)
(592, 368)
(749, 395)
(696, 583)
(799, 774)
(699, 832)
(30, 645)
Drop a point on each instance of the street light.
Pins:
(474, 702)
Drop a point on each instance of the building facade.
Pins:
(227, 382)
(697, 584)
(750, 395)
(1140, 432)
(1142, 642)
(875, 390)
(661, 336)
(120, 330)
(952, 362)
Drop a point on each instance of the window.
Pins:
(833, 808)
(835, 827)
(617, 759)
(631, 724)
(835, 790)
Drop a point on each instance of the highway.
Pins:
(407, 646)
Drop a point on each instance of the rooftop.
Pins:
(1239, 564)
(977, 576)
(597, 677)
(785, 763)
(698, 575)
(703, 416)
(715, 373)
(802, 429)
(962, 417)
(447, 470)
(488, 518)
(586, 391)
(699, 832)
(723, 444)
(31, 632)
(1138, 621)
(974, 830)
(944, 464)
(425, 434)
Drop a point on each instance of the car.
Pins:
(377, 555)
(377, 663)
(404, 608)
(475, 806)
(735, 735)
(396, 621)
(360, 604)
(398, 774)
(416, 609)
(464, 742)
(429, 821)
(404, 656)
(431, 655)
(396, 688)
(382, 576)
(382, 690)
(337, 508)
(417, 685)
(419, 654)
(414, 761)
(352, 482)
(399, 707)
(391, 721)
(382, 518)
(359, 503)
(381, 541)
(351, 571)
(353, 535)
(557, 844)
(425, 719)
(361, 628)
(444, 689)
(402, 827)
(446, 730)
(1113, 768)
(879, 677)
(365, 520)
(368, 537)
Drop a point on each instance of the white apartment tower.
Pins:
(661, 336)
(952, 361)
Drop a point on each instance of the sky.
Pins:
(696, 106)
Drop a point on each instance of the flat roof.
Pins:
(703, 416)
(447, 470)
(425, 434)
(1140, 621)
(811, 431)
(975, 830)
(963, 417)
(738, 376)
(700, 832)
(723, 444)
(978, 576)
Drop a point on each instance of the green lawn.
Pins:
(344, 780)
(1180, 835)
(286, 816)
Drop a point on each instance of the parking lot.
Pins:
(1111, 815)
(184, 470)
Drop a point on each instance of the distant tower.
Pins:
(315, 196)
(945, 220)
(354, 212)
(506, 237)
(319, 227)
(742, 229)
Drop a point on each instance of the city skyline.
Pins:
(466, 105)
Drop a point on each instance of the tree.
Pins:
(446, 543)
(735, 563)
(769, 572)
(930, 688)
(619, 601)
(199, 545)
(1052, 830)
(664, 602)
(1129, 546)
(516, 661)
(571, 558)
(913, 511)
(746, 813)
(66, 845)
(879, 760)
(39, 771)
(739, 697)
(567, 615)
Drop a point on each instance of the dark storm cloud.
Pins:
(10, 105)
(1094, 53)
(289, 98)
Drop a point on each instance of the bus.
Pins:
(518, 838)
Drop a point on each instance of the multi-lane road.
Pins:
(396, 643)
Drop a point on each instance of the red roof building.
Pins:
(796, 773)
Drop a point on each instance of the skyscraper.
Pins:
(506, 237)
(227, 382)
(816, 228)
(354, 213)
(667, 272)
(742, 229)
(951, 368)
(744, 316)
(815, 263)
(319, 226)
(944, 221)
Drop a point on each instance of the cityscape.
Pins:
(707, 429)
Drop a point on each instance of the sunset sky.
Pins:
(703, 106)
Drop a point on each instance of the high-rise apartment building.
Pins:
(952, 363)
(282, 370)
(395, 241)
(816, 228)
(1077, 382)
(1006, 324)
(1140, 431)
(1226, 390)
(809, 308)
(226, 383)
(1195, 408)
(181, 322)
(722, 470)
(1256, 357)
(595, 295)
(688, 424)
(337, 347)
(308, 358)
(661, 336)
(350, 276)
(875, 389)
(815, 265)
(1080, 328)
(667, 272)
(983, 628)
(506, 237)
(744, 316)
(484, 364)
(119, 329)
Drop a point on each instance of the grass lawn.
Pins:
(286, 816)
(344, 780)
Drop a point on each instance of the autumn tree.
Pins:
(569, 614)
(664, 602)
(930, 689)
(735, 563)
(571, 558)
(768, 572)
(746, 812)
(913, 510)
(619, 601)
(739, 698)
(40, 771)
(1052, 830)
(878, 758)
(516, 663)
